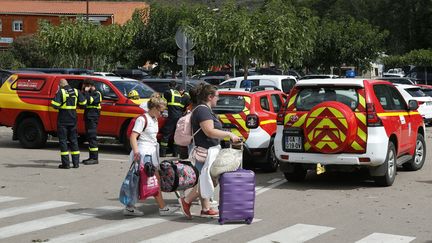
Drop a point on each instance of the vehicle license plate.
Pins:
(293, 143)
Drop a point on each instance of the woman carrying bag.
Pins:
(209, 132)
(144, 142)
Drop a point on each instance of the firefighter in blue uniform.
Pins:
(91, 119)
(175, 111)
(66, 101)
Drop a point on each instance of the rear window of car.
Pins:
(427, 92)
(287, 85)
(309, 97)
(229, 104)
(415, 92)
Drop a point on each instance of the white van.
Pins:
(282, 82)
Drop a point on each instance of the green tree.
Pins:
(26, 50)
(155, 40)
(346, 41)
(273, 33)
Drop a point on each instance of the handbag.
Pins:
(129, 188)
(228, 159)
(199, 154)
(148, 183)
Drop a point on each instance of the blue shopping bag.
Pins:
(130, 187)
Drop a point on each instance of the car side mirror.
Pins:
(412, 105)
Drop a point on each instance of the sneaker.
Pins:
(209, 213)
(166, 211)
(132, 212)
(63, 166)
(185, 207)
(90, 162)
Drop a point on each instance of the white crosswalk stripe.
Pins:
(294, 234)
(386, 238)
(48, 222)
(109, 230)
(9, 212)
(195, 233)
(8, 199)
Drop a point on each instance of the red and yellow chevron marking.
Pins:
(238, 120)
(326, 132)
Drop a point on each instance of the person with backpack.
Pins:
(208, 133)
(144, 142)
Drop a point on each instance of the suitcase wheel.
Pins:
(249, 220)
(221, 221)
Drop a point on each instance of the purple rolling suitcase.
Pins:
(237, 196)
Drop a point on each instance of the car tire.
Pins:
(418, 159)
(297, 175)
(31, 133)
(272, 162)
(390, 163)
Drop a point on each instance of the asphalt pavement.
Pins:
(39, 202)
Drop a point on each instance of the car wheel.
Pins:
(297, 175)
(31, 133)
(418, 159)
(388, 178)
(272, 161)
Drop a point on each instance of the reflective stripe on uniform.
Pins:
(93, 149)
(64, 153)
(175, 99)
(55, 103)
(75, 152)
(164, 144)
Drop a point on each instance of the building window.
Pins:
(1, 25)
(17, 26)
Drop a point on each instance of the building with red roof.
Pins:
(19, 18)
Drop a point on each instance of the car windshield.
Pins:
(230, 104)
(309, 97)
(125, 87)
(416, 92)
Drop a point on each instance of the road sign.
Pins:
(183, 41)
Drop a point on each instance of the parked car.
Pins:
(348, 125)
(75, 71)
(162, 84)
(399, 80)
(282, 82)
(5, 74)
(394, 72)
(132, 73)
(252, 115)
(25, 103)
(427, 89)
(319, 76)
(104, 74)
(215, 80)
(422, 74)
(411, 92)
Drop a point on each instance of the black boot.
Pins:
(91, 162)
(64, 166)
